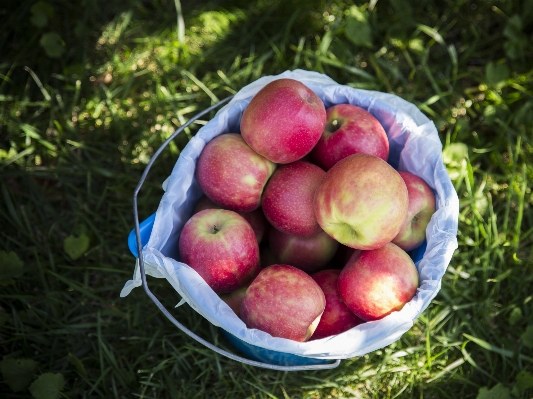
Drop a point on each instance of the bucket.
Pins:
(415, 147)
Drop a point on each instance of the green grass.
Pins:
(76, 132)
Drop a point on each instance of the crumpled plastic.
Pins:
(414, 147)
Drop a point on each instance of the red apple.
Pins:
(421, 207)
(378, 282)
(231, 174)
(362, 202)
(283, 121)
(256, 218)
(205, 203)
(234, 299)
(309, 253)
(349, 130)
(288, 198)
(283, 301)
(221, 247)
(353, 256)
(336, 318)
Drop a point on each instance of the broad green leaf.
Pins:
(47, 386)
(527, 337)
(10, 267)
(357, 29)
(52, 44)
(524, 381)
(17, 373)
(76, 246)
(497, 74)
(454, 154)
(41, 12)
(78, 365)
(515, 316)
(497, 392)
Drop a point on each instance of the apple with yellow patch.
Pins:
(361, 202)
(285, 302)
(231, 174)
(378, 282)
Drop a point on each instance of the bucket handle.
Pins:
(160, 305)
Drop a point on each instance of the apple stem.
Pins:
(333, 126)
(215, 229)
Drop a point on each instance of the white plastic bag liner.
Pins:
(414, 147)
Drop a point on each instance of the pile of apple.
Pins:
(304, 226)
